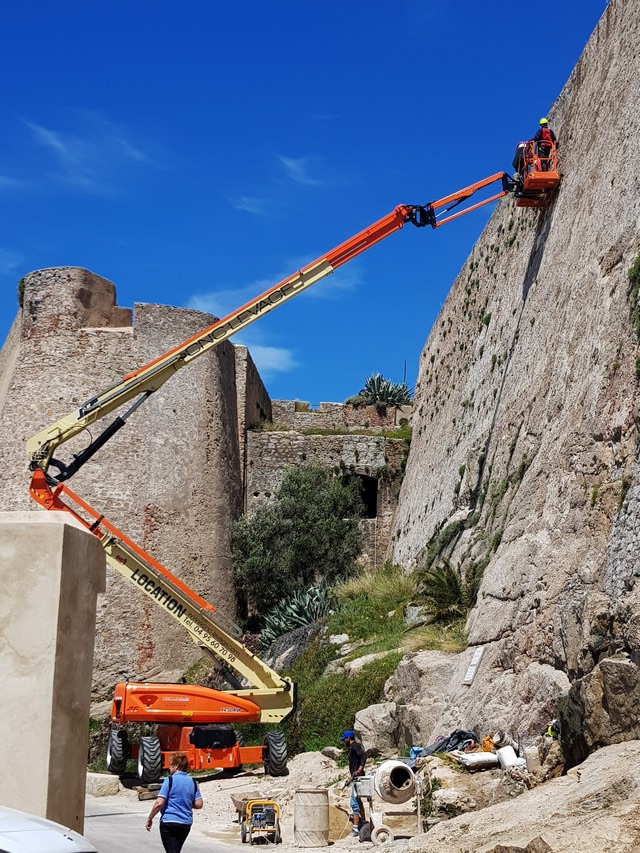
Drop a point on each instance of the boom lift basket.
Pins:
(540, 176)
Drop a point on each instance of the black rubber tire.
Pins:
(149, 760)
(118, 750)
(274, 754)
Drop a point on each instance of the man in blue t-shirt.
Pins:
(177, 797)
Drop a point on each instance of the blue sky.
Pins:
(196, 153)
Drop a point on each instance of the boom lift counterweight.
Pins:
(185, 713)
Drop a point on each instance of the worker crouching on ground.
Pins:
(357, 759)
(177, 797)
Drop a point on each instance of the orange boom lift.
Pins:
(194, 719)
(540, 177)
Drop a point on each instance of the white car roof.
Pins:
(21, 832)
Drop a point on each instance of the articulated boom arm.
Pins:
(271, 693)
(274, 695)
(145, 380)
(453, 200)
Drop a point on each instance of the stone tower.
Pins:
(170, 479)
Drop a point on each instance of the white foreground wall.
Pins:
(51, 571)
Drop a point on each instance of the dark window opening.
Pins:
(369, 493)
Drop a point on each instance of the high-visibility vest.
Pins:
(545, 137)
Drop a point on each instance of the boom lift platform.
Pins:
(539, 177)
(189, 716)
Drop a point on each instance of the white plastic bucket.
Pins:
(532, 757)
(311, 817)
(508, 758)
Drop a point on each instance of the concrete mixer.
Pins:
(393, 782)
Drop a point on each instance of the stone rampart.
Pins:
(254, 403)
(379, 460)
(297, 415)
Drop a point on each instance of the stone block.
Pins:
(102, 784)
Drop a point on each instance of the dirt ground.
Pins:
(599, 801)
(218, 818)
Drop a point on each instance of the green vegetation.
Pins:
(303, 608)
(432, 784)
(307, 533)
(634, 294)
(326, 704)
(21, 292)
(329, 704)
(381, 392)
(448, 595)
(447, 636)
(624, 488)
(370, 607)
(442, 539)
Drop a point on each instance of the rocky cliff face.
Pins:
(523, 466)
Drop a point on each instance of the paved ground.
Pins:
(116, 825)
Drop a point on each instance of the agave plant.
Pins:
(379, 391)
(303, 608)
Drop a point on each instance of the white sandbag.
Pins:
(475, 760)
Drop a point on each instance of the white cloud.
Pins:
(9, 261)
(224, 300)
(271, 360)
(298, 170)
(252, 204)
(344, 280)
(8, 183)
(92, 158)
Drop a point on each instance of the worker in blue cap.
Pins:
(357, 758)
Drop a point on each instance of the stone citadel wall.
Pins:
(523, 467)
(377, 459)
(297, 415)
(531, 372)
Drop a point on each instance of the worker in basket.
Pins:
(518, 163)
(357, 758)
(544, 141)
